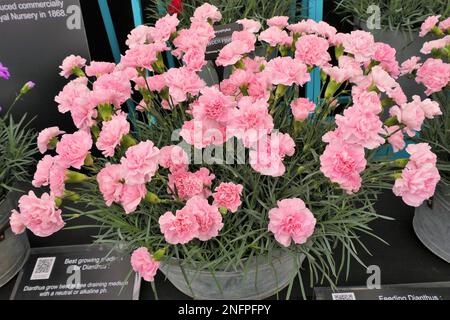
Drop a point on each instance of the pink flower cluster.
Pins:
(291, 221)
(39, 214)
(197, 219)
(245, 106)
(420, 176)
(413, 114)
(190, 184)
(144, 263)
(434, 74)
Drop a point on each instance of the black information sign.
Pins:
(222, 37)
(90, 272)
(419, 291)
(35, 36)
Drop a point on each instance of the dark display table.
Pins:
(404, 260)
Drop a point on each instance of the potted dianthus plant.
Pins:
(17, 150)
(395, 22)
(230, 189)
(231, 11)
(432, 220)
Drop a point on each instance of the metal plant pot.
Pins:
(14, 249)
(432, 224)
(262, 278)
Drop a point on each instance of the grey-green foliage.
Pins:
(395, 14)
(17, 148)
(231, 10)
(341, 218)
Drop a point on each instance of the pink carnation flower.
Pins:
(312, 50)
(164, 28)
(246, 39)
(196, 37)
(368, 100)
(382, 80)
(113, 188)
(213, 105)
(396, 139)
(241, 78)
(39, 215)
(144, 263)
(15, 221)
(417, 184)
(410, 114)
(111, 88)
(444, 25)
(342, 163)
(132, 196)
(275, 36)
(140, 163)
(397, 95)
(110, 183)
(205, 13)
(325, 30)
(259, 87)
(139, 36)
(57, 177)
(430, 108)
(428, 24)
(286, 71)
(42, 174)
(45, 136)
(434, 74)
(268, 155)
(386, 55)
(360, 126)
(197, 219)
(347, 69)
(173, 158)
(84, 112)
(278, 21)
(231, 53)
(69, 63)
(361, 44)
(73, 149)
(182, 81)
(112, 133)
(250, 25)
(208, 217)
(179, 229)
(204, 133)
(71, 92)
(435, 44)
(99, 68)
(190, 184)
(301, 108)
(303, 26)
(228, 195)
(143, 56)
(194, 59)
(420, 155)
(251, 121)
(291, 221)
(408, 66)
(154, 83)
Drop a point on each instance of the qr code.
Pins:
(43, 268)
(343, 296)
